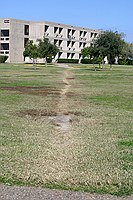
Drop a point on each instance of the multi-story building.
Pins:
(14, 35)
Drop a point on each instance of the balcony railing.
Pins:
(4, 52)
(4, 39)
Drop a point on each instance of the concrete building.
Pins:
(14, 35)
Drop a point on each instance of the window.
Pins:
(68, 43)
(5, 33)
(26, 29)
(80, 56)
(25, 41)
(60, 30)
(80, 33)
(72, 55)
(84, 44)
(68, 54)
(80, 44)
(95, 35)
(85, 33)
(46, 28)
(59, 55)
(55, 42)
(73, 43)
(91, 34)
(68, 31)
(73, 31)
(4, 46)
(60, 41)
(55, 29)
(6, 21)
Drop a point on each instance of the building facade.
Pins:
(14, 34)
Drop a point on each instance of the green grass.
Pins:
(95, 155)
(126, 143)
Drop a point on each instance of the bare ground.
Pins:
(31, 193)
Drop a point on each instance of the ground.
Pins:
(67, 128)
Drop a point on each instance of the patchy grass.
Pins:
(95, 155)
(126, 143)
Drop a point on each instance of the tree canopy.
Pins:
(108, 44)
(31, 50)
(44, 49)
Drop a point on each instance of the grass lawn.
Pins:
(94, 155)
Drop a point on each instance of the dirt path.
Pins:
(31, 193)
(63, 120)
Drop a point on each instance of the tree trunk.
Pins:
(34, 64)
(103, 64)
(111, 68)
(45, 62)
(93, 64)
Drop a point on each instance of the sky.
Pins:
(115, 15)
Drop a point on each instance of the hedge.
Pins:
(3, 59)
(49, 59)
(125, 61)
(86, 61)
(61, 60)
(96, 60)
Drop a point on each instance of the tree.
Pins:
(46, 49)
(31, 51)
(127, 54)
(93, 54)
(130, 52)
(109, 44)
(86, 52)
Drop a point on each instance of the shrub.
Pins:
(49, 59)
(122, 61)
(86, 61)
(67, 60)
(97, 60)
(3, 59)
(130, 62)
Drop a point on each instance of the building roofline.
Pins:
(54, 23)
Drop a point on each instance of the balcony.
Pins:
(4, 39)
(4, 52)
(46, 34)
(83, 38)
(58, 35)
(71, 49)
(70, 37)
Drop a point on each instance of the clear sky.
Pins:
(116, 15)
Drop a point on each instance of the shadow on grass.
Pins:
(92, 69)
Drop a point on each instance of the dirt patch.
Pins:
(35, 113)
(71, 94)
(42, 91)
(76, 113)
(42, 113)
(70, 78)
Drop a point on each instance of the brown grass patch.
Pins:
(76, 113)
(35, 113)
(42, 91)
(70, 78)
(42, 113)
(71, 94)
